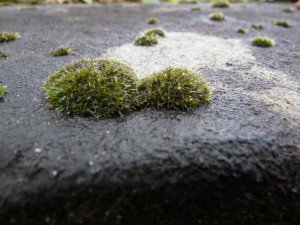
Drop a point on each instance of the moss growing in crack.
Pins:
(220, 4)
(101, 88)
(156, 32)
(6, 37)
(2, 90)
(146, 40)
(217, 16)
(3, 54)
(281, 23)
(61, 51)
(196, 8)
(153, 21)
(288, 10)
(174, 88)
(242, 31)
(257, 26)
(264, 42)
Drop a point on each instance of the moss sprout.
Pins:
(153, 21)
(156, 32)
(61, 51)
(174, 88)
(281, 23)
(146, 40)
(257, 26)
(101, 88)
(217, 16)
(242, 31)
(196, 8)
(6, 37)
(2, 90)
(264, 42)
(288, 10)
(220, 4)
(3, 54)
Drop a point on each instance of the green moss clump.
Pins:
(196, 8)
(281, 23)
(6, 37)
(146, 40)
(242, 31)
(156, 32)
(288, 10)
(61, 51)
(257, 26)
(153, 21)
(22, 8)
(101, 88)
(264, 42)
(220, 4)
(174, 88)
(217, 16)
(3, 54)
(2, 91)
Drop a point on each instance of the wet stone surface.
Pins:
(234, 160)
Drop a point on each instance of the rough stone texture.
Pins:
(232, 161)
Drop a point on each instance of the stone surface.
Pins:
(232, 161)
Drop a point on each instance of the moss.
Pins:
(6, 37)
(217, 16)
(101, 88)
(22, 8)
(174, 88)
(3, 54)
(242, 31)
(156, 32)
(257, 26)
(281, 23)
(6, 4)
(153, 21)
(61, 51)
(264, 42)
(2, 91)
(288, 10)
(146, 40)
(220, 4)
(196, 8)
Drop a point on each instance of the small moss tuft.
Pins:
(146, 40)
(281, 23)
(3, 54)
(242, 31)
(6, 37)
(156, 32)
(101, 88)
(257, 26)
(288, 10)
(264, 42)
(2, 91)
(153, 21)
(174, 88)
(61, 51)
(220, 4)
(196, 8)
(217, 16)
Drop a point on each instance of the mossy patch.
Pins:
(264, 42)
(257, 26)
(2, 90)
(220, 4)
(24, 8)
(288, 10)
(6, 37)
(242, 31)
(156, 32)
(101, 88)
(61, 51)
(174, 88)
(153, 21)
(217, 16)
(3, 54)
(196, 8)
(281, 23)
(146, 40)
